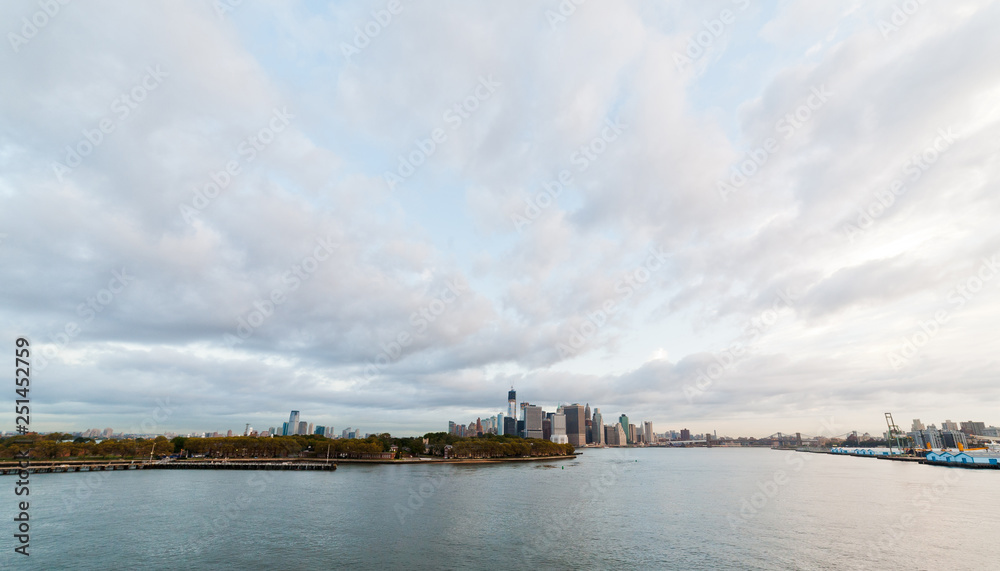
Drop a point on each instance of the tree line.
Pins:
(59, 446)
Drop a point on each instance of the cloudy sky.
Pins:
(739, 216)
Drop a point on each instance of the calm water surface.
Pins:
(639, 508)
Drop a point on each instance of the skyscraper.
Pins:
(303, 428)
(587, 421)
(510, 426)
(512, 403)
(500, 424)
(623, 422)
(576, 427)
(647, 432)
(293, 423)
(532, 421)
(597, 427)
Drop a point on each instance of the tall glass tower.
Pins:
(512, 403)
(293, 423)
(623, 421)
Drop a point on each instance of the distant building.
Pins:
(685, 434)
(949, 425)
(974, 428)
(917, 425)
(229, 434)
(632, 436)
(611, 435)
(647, 432)
(559, 425)
(623, 422)
(500, 426)
(952, 438)
(284, 429)
(510, 425)
(303, 428)
(598, 427)
(576, 426)
(512, 403)
(107, 433)
(926, 438)
(293, 422)
(547, 426)
(533, 421)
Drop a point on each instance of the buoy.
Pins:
(563, 467)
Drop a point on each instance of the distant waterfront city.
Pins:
(581, 426)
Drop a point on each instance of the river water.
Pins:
(637, 508)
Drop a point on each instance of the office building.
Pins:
(588, 423)
(303, 428)
(533, 421)
(559, 425)
(309, 429)
(293, 422)
(284, 429)
(633, 437)
(647, 432)
(500, 424)
(598, 427)
(685, 434)
(576, 427)
(917, 425)
(512, 403)
(949, 425)
(623, 422)
(510, 426)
